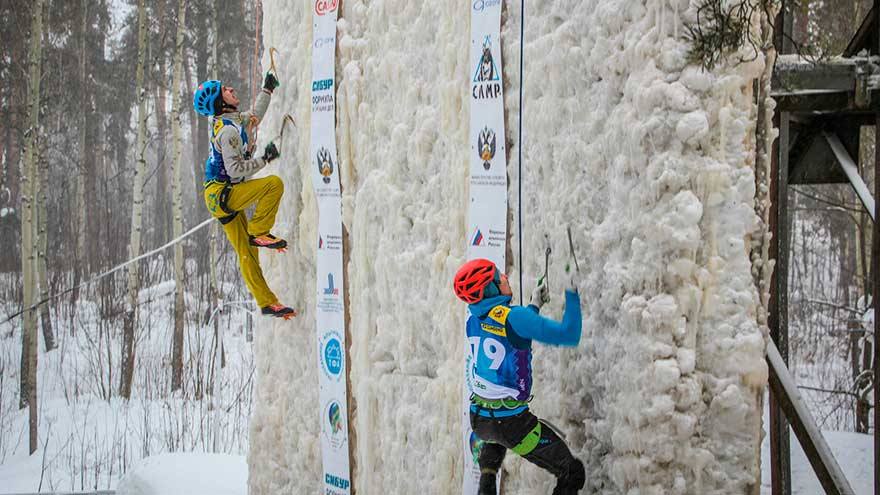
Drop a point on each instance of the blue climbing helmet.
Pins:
(205, 97)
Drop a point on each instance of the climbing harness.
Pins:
(495, 404)
(223, 203)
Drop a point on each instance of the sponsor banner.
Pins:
(487, 215)
(330, 285)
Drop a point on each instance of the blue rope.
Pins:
(522, 28)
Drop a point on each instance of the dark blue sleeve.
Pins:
(526, 322)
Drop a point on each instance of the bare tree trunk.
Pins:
(215, 228)
(41, 184)
(79, 211)
(161, 212)
(177, 196)
(134, 247)
(28, 247)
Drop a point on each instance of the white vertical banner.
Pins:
(330, 305)
(487, 213)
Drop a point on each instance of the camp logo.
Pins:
(325, 6)
(320, 241)
(486, 146)
(325, 164)
(331, 355)
(330, 290)
(480, 5)
(477, 239)
(334, 425)
(486, 77)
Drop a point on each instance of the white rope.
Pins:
(114, 269)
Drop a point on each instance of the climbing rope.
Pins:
(112, 270)
(522, 28)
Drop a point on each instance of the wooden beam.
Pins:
(851, 170)
(794, 74)
(821, 101)
(810, 437)
(780, 455)
(863, 38)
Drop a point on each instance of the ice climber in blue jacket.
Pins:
(500, 377)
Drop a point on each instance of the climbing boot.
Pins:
(279, 311)
(268, 241)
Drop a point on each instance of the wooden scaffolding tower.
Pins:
(820, 109)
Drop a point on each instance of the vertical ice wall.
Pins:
(647, 158)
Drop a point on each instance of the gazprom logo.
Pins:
(327, 40)
(322, 85)
(336, 481)
(480, 5)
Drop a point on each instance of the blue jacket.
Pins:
(500, 337)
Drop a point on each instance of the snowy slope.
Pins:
(645, 156)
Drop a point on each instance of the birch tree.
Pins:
(177, 198)
(41, 181)
(28, 254)
(134, 247)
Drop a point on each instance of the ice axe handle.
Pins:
(571, 248)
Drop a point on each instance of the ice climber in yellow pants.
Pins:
(229, 189)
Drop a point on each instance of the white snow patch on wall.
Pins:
(647, 158)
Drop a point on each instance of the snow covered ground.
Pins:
(186, 474)
(87, 441)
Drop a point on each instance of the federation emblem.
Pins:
(335, 418)
(334, 428)
(486, 146)
(330, 290)
(486, 70)
(325, 164)
(477, 239)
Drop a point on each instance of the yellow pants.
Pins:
(266, 193)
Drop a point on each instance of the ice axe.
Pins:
(571, 252)
(546, 260)
(279, 138)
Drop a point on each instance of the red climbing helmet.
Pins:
(472, 278)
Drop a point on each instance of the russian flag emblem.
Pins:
(477, 239)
